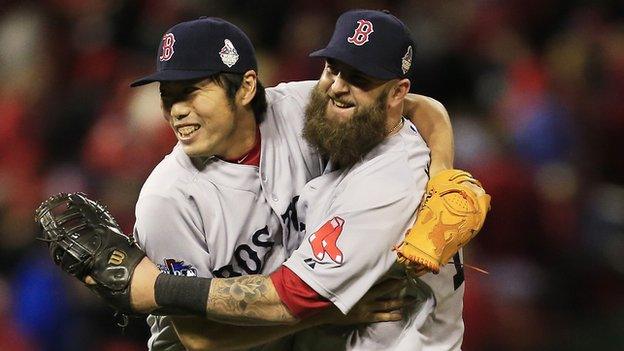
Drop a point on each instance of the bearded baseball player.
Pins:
(227, 202)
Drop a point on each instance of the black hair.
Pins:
(231, 82)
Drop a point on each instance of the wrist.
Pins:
(177, 293)
(142, 286)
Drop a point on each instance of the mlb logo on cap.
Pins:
(373, 42)
(199, 49)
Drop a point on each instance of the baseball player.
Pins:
(224, 202)
(349, 218)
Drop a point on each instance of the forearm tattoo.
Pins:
(246, 300)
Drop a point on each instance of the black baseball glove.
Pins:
(85, 240)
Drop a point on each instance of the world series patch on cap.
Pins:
(373, 42)
(199, 49)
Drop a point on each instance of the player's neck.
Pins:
(243, 138)
(394, 121)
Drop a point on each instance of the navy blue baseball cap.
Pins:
(373, 42)
(201, 48)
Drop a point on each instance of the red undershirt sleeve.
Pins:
(296, 295)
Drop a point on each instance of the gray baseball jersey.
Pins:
(228, 219)
(444, 327)
(354, 219)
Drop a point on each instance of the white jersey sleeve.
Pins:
(287, 162)
(298, 92)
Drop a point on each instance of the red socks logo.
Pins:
(324, 240)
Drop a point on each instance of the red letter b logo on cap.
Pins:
(362, 32)
(167, 47)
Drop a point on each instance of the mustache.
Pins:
(331, 96)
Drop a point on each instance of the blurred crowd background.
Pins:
(535, 91)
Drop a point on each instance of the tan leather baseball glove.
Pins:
(451, 213)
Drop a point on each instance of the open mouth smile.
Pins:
(187, 131)
(340, 104)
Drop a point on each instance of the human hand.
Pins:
(375, 306)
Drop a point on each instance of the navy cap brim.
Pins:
(356, 62)
(172, 75)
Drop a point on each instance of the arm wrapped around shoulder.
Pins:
(451, 213)
(85, 240)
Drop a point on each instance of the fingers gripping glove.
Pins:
(451, 213)
(85, 240)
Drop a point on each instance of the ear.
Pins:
(247, 91)
(398, 92)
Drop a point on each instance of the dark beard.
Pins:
(344, 143)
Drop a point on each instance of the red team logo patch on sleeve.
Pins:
(362, 32)
(167, 47)
(323, 241)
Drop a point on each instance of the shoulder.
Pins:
(385, 178)
(152, 205)
(401, 158)
(398, 171)
(170, 186)
(403, 152)
(163, 214)
(413, 148)
(165, 202)
(296, 90)
(175, 169)
(173, 205)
